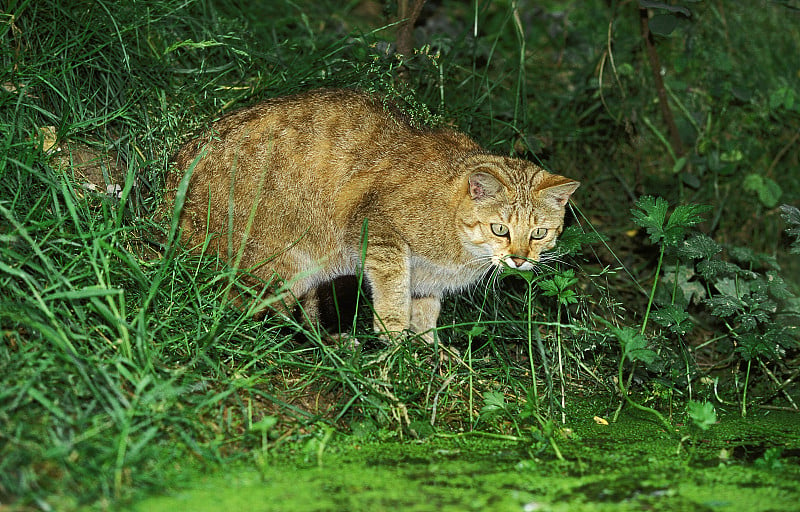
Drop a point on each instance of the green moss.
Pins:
(631, 465)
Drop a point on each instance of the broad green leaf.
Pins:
(711, 269)
(698, 246)
(783, 97)
(559, 285)
(654, 4)
(266, 424)
(777, 286)
(494, 402)
(767, 190)
(573, 238)
(634, 344)
(651, 215)
(476, 330)
(663, 24)
(673, 317)
(791, 215)
(771, 459)
(690, 289)
(755, 346)
(702, 414)
(684, 216)
(724, 305)
(736, 288)
(747, 255)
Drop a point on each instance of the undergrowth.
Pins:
(676, 283)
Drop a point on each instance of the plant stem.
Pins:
(744, 393)
(530, 346)
(623, 388)
(561, 367)
(653, 289)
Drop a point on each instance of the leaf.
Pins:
(684, 216)
(476, 330)
(494, 402)
(192, 45)
(634, 344)
(750, 320)
(548, 288)
(689, 290)
(791, 215)
(559, 285)
(663, 25)
(724, 305)
(712, 269)
(573, 238)
(699, 246)
(777, 286)
(265, 424)
(755, 346)
(702, 414)
(783, 97)
(752, 258)
(651, 215)
(771, 459)
(767, 190)
(680, 163)
(524, 274)
(673, 317)
(735, 288)
(652, 4)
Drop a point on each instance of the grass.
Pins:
(120, 356)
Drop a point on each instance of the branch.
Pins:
(663, 102)
(408, 13)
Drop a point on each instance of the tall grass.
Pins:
(118, 360)
(121, 364)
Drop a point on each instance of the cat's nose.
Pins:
(518, 262)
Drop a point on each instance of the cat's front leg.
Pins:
(387, 269)
(424, 314)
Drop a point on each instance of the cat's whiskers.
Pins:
(552, 260)
(486, 267)
(494, 278)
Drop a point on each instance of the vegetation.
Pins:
(674, 291)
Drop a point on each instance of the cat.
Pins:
(327, 183)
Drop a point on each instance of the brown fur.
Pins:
(312, 168)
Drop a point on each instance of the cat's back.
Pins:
(323, 118)
(313, 110)
(327, 134)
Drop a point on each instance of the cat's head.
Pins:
(512, 210)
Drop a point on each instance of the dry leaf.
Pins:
(47, 134)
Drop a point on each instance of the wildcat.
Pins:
(299, 186)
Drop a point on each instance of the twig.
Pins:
(781, 387)
(436, 397)
(407, 14)
(663, 101)
(782, 152)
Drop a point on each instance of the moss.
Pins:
(631, 465)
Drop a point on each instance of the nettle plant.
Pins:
(738, 291)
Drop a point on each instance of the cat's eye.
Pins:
(499, 229)
(539, 233)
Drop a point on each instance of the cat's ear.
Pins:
(483, 185)
(561, 191)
